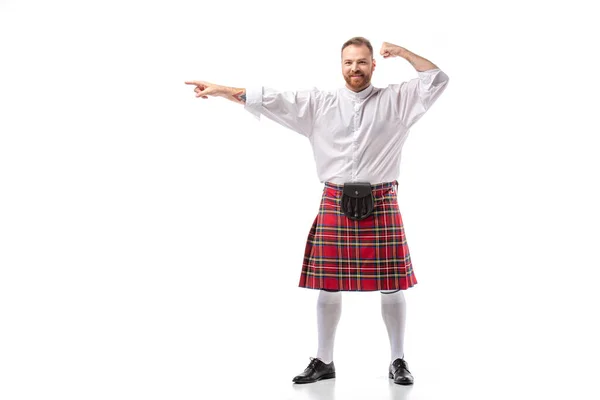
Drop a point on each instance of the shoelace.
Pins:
(313, 363)
(402, 365)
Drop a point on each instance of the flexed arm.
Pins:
(419, 63)
(204, 89)
(415, 97)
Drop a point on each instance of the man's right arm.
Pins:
(237, 95)
(204, 89)
(292, 109)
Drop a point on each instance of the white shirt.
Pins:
(355, 137)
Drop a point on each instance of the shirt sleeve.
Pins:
(416, 96)
(293, 109)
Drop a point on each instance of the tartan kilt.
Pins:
(367, 255)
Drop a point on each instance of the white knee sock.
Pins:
(393, 310)
(329, 310)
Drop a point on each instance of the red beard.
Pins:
(355, 81)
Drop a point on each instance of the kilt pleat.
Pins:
(367, 255)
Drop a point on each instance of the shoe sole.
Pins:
(326, 376)
(401, 383)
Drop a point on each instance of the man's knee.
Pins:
(389, 291)
(329, 297)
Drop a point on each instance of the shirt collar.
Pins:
(360, 95)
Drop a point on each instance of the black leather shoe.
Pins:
(399, 372)
(316, 371)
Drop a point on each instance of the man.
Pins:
(357, 241)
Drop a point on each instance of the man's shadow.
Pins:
(321, 390)
(399, 392)
(325, 390)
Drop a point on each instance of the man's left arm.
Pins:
(415, 97)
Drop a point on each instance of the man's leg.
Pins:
(329, 310)
(393, 310)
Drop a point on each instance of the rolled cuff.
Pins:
(433, 77)
(254, 101)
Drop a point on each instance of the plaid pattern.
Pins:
(367, 255)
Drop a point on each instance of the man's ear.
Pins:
(374, 64)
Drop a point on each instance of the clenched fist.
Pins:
(390, 50)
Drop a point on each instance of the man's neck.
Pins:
(358, 90)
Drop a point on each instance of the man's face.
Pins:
(357, 67)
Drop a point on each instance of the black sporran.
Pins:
(357, 200)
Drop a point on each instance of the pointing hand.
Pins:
(204, 89)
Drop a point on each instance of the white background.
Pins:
(136, 261)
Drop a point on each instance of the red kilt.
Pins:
(367, 255)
